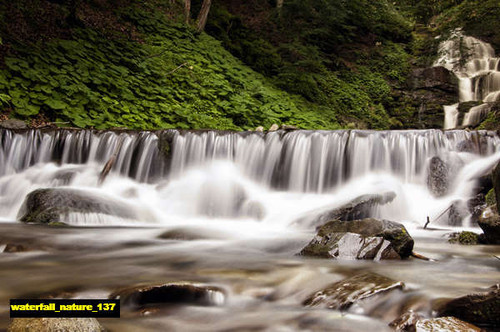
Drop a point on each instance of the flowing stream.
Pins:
(248, 197)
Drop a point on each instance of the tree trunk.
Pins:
(203, 15)
(187, 10)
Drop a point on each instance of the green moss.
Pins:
(490, 198)
(464, 238)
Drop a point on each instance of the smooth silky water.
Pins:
(249, 198)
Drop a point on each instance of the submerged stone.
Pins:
(171, 293)
(342, 294)
(360, 239)
(55, 325)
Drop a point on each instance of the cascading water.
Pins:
(174, 176)
(478, 70)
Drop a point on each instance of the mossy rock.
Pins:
(465, 238)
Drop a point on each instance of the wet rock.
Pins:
(465, 238)
(274, 127)
(479, 309)
(55, 325)
(427, 91)
(467, 146)
(438, 78)
(444, 324)
(171, 293)
(457, 213)
(437, 176)
(350, 246)
(495, 176)
(489, 221)
(48, 205)
(406, 322)
(490, 198)
(372, 239)
(342, 294)
(475, 207)
(13, 124)
(359, 208)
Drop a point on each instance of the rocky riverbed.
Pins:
(259, 281)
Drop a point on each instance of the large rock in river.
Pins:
(342, 294)
(360, 239)
(49, 205)
(480, 309)
(437, 177)
(489, 221)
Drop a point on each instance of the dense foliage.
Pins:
(173, 78)
(311, 63)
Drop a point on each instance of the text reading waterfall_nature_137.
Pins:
(261, 165)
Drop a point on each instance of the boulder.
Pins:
(13, 124)
(55, 325)
(360, 239)
(48, 205)
(171, 293)
(359, 208)
(444, 324)
(480, 309)
(489, 221)
(342, 294)
(437, 176)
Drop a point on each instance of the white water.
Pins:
(245, 182)
(478, 70)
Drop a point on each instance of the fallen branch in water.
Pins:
(496, 257)
(428, 220)
(427, 223)
(109, 164)
(422, 257)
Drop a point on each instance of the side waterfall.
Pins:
(478, 70)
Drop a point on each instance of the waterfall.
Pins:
(217, 174)
(478, 70)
